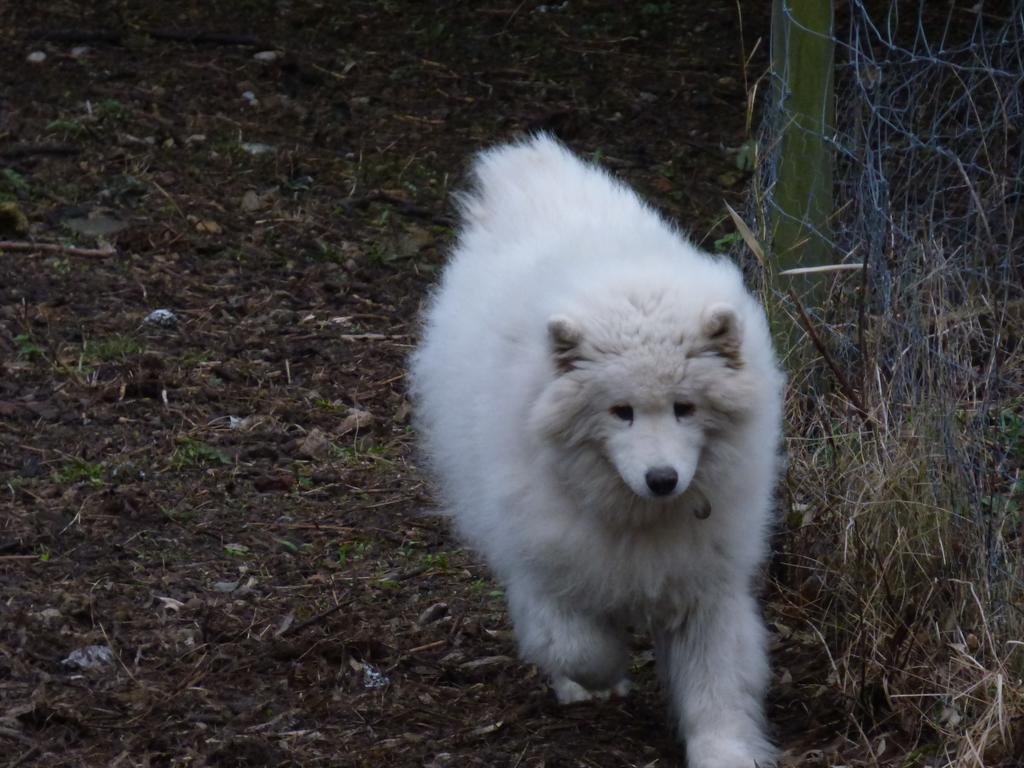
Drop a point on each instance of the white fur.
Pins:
(567, 297)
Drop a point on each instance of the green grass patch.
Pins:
(27, 348)
(353, 551)
(112, 348)
(79, 471)
(195, 453)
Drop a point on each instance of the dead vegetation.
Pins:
(904, 550)
(227, 501)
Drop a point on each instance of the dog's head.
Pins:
(646, 389)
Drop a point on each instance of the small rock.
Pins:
(36, 57)
(89, 657)
(357, 420)
(96, 224)
(315, 445)
(266, 56)
(208, 227)
(250, 97)
(163, 318)
(79, 51)
(254, 201)
(432, 614)
(251, 201)
(50, 615)
(373, 678)
(225, 586)
(256, 148)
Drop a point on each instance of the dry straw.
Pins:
(903, 547)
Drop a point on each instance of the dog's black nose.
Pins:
(661, 480)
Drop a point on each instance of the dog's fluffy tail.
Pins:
(538, 183)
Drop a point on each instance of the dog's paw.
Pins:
(623, 688)
(728, 753)
(570, 692)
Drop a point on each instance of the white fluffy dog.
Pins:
(601, 404)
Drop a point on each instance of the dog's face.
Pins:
(647, 396)
(653, 443)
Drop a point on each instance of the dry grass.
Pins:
(905, 558)
(903, 549)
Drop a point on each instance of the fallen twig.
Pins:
(71, 250)
(427, 646)
(844, 385)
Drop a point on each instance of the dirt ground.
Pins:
(225, 507)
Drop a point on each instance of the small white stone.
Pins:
(255, 148)
(266, 56)
(90, 657)
(162, 317)
(373, 678)
(249, 96)
(79, 51)
(36, 57)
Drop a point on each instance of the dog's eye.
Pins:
(683, 410)
(624, 412)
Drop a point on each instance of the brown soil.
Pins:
(207, 500)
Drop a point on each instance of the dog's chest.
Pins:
(643, 573)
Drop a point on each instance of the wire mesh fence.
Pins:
(910, 472)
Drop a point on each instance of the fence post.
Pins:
(802, 62)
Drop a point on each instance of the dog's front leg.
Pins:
(715, 666)
(585, 654)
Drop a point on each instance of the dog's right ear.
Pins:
(723, 331)
(565, 337)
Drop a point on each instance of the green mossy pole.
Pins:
(802, 61)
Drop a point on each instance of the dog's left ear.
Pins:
(565, 337)
(724, 332)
